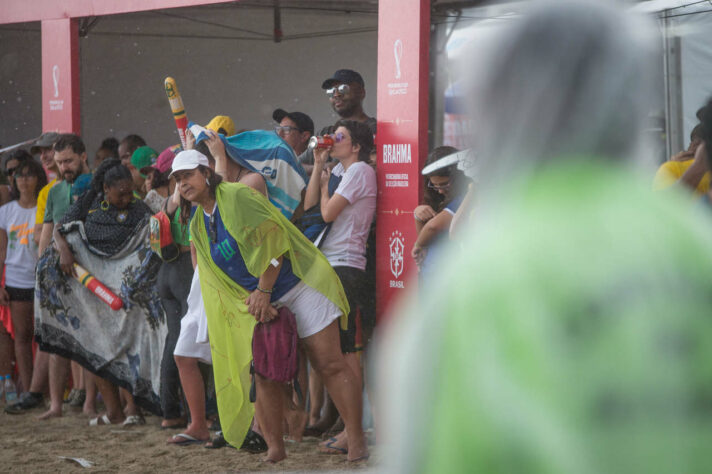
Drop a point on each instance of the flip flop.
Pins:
(184, 440)
(100, 421)
(359, 460)
(329, 448)
(132, 420)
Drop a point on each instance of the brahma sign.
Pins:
(402, 141)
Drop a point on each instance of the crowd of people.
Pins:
(563, 326)
(127, 274)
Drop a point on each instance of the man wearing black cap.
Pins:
(346, 92)
(295, 128)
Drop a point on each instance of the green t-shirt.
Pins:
(60, 198)
(569, 331)
(180, 232)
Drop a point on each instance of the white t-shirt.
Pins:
(21, 257)
(345, 244)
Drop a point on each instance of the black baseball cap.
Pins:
(303, 121)
(343, 76)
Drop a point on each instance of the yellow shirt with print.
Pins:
(42, 201)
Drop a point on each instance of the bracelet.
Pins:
(418, 219)
(269, 292)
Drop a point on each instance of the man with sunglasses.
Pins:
(346, 92)
(295, 128)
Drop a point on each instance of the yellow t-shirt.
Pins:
(42, 201)
(671, 171)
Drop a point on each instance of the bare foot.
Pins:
(274, 456)
(51, 413)
(358, 450)
(297, 421)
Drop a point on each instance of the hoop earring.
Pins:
(104, 205)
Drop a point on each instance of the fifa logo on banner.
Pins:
(396, 245)
(398, 53)
(55, 79)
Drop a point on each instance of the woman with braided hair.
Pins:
(106, 232)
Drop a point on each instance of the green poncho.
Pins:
(569, 332)
(262, 233)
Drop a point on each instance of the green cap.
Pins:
(143, 157)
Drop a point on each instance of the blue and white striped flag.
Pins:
(266, 153)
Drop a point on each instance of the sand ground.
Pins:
(28, 445)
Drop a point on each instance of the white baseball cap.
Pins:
(188, 160)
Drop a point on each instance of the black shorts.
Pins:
(20, 294)
(360, 298)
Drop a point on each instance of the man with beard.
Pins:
(71, 158)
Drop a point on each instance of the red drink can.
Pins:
(321, 142)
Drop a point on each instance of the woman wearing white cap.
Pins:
(250, 258)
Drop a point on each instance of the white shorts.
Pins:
(312, 310)
(193, 341)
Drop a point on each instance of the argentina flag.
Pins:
(266, 153)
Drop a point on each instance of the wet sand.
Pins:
(29, 445)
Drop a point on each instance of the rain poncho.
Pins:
(575, 338)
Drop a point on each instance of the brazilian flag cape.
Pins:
(262, 233)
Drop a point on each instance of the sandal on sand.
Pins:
(132, 420)
(183, 439)
(100, 421)
(218, 442)
(254, 443)
(329, 448)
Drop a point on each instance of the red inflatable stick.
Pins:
(98, 288)
(177, 108)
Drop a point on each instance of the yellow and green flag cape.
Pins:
(262, 233)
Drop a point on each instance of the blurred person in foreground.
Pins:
(570, 334)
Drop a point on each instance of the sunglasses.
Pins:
(285, 128)
(11, 171)
(438, 186)
(339, 137)
(25, 175)
(213, 229)
(342, 89)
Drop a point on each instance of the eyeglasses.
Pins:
(438, 186)
(11, 171)
(342, 89)
(286, 129)
(339, 137)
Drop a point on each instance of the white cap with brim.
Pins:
(188, 160)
